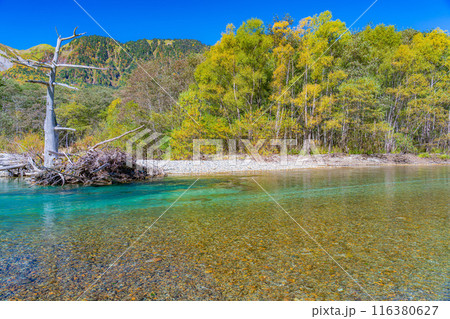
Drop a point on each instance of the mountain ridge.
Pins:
(98, 51)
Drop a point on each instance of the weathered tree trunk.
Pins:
(50, 125)
(51, 135)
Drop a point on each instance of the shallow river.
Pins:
(328, 234)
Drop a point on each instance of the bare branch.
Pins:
(56, 153)
(115, 138)
(60, 128)
(73, 36)
(38, 82)
(31, 63)
(32, 164)
(65, 85)
(60, 154)
(68, 158)
(56, 29)
(65, 174)
(100, 168)
(12, 167)
(80, 66)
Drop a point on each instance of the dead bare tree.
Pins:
(51, 127)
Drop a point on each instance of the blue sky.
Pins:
(33, 22)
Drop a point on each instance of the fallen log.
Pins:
(7, 168)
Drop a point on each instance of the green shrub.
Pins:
(293, 151)
(24, 143)
(424, 155)
(404, 143)
(5, 144)
(336, 150)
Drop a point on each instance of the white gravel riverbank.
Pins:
(274, 163)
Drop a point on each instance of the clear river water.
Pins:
(322, 234)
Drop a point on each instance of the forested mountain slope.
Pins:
(97, 51)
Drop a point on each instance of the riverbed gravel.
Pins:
(277, 163)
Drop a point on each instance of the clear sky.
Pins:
(27, 23)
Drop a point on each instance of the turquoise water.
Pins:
(226, 239)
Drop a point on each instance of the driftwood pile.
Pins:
(16, 165)
(92, 167)
(96, 167)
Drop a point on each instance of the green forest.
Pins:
(378, 90)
